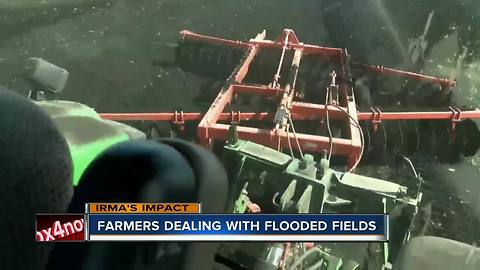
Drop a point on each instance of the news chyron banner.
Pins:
(185, 222)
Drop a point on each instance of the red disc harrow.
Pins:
(340, 103)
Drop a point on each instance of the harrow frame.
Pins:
(345, 108)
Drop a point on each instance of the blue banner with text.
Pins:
(241, 227)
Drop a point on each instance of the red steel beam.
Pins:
(212, 115)
(316, 111)
(299, 110)
(419, 115)
(349, 100)
(223, 99)
(406, 74)
(307, 49)
(172, 117)
(310, 143)
(257, 90)
(185, 34)
(225, 95)
(149, 116)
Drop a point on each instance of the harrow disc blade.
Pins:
(379, 144)
(367, 139)
(468, 137)
(444, 147)
(412, 136)
(430, 138)
(396, 137)
(207, 59)
(427, 138)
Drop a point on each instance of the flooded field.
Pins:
(117, 53)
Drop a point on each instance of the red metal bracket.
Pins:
(376, 118)
(236, 117)
(456, 118)
(290, 37)
(253, 208)
(178, 118)
(456, 114)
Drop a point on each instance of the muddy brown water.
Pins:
(110, 51)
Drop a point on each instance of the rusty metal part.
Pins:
(285, 255)
(253, 208)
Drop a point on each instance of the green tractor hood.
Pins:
(86, 133)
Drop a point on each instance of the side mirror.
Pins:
(45, 76)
